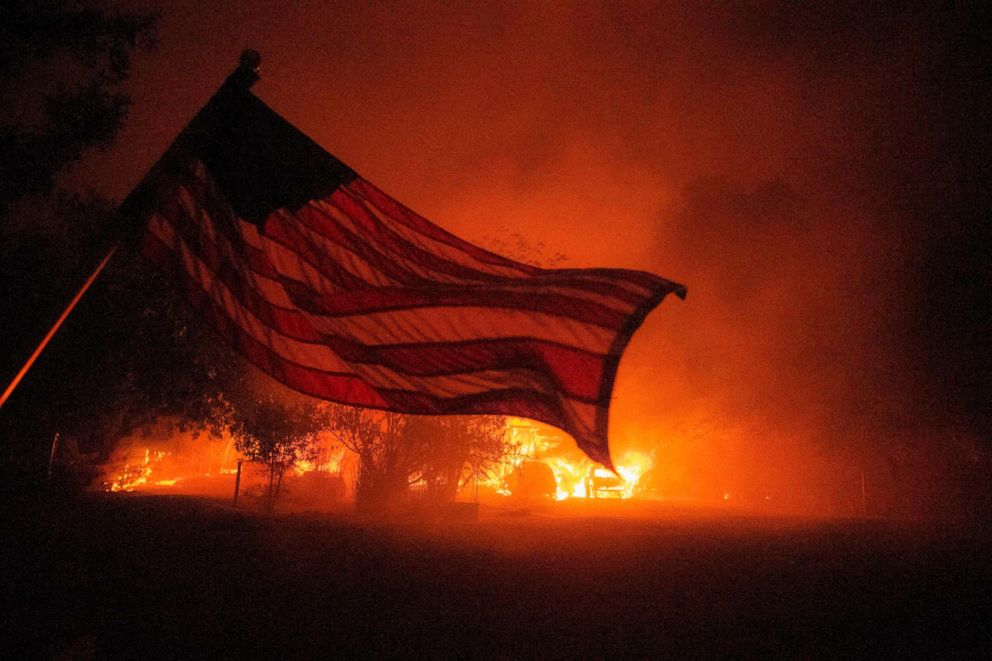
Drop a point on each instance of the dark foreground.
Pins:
(161, 577)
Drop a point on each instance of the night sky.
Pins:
(817, 177)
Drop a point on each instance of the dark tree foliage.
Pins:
(94, 48)
(131, 353)
(63, 67)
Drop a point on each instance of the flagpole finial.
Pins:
(250, 59)
(246, 74)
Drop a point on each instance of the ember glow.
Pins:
(133, 476)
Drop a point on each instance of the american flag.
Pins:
(340, 292)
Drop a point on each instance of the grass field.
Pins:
(171, 577)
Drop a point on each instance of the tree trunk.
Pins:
(282, 471)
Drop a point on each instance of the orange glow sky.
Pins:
(782, 162)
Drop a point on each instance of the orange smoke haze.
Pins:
(762, 156)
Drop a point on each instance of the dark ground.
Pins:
(173, 577)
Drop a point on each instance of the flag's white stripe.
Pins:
(349, 260)
(284, 260)
(358, 190)
(271, 291)
(387, 253)
(291, 264)
(320, 357)
(443, 251)
(458, 323)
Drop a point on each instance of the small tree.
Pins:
(384, 460)
(395, 451)
(277, 436)
(455, 449)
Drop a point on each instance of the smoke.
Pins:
(775, 158)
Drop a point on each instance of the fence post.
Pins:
(237, 485)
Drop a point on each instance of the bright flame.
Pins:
(575, 476)
(132, 477)
(632, 467)
(326, 461)
(196, 463)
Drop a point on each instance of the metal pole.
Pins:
(51, 333)
(51, 459)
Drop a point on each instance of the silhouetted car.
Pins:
(602, 483)
(533, 479)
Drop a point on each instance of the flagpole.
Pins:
(244, 76)
(58, 324)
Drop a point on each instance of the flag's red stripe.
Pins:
(411, 219)
(312, 219)
(604, 285)
(423, 242)
(394, 244)
(577, 373)
(362, 241)
(282, 233)
(392, 299)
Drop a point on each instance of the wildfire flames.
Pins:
(203, 466)
(575, 476)
(134, 476)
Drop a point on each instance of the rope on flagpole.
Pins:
(54, 329)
